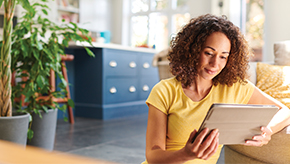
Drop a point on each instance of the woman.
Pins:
(209, 59)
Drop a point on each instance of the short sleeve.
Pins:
(159, 96)
(244, 91)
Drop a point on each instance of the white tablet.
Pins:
(238, 122)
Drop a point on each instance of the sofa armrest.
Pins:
(252, 73)
(276, 151)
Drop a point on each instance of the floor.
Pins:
(119, 140)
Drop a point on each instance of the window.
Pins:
(254, 27)
(153, 22)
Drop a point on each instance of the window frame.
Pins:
(169, 12)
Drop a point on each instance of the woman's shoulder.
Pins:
(171, 82)
(237, 86)
(167, 85)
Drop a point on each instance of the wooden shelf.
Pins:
(68, 10)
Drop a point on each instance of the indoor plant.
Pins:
(13, 127)
(37, 44)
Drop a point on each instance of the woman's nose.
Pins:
(213, 62)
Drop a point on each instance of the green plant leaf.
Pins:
(1, 2)
(45, 108)
(30, 117)
(63, 107)
(65, 42)
(25, 4)
(65, 118)
(39, 45)
(44, 12)
(71, 103)
(40, 81)
(30, 134)
(90, 53)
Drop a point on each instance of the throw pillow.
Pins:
(282, 52)
(275, 81)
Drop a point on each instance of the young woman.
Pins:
(209, 59)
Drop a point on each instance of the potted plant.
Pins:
(37, 44)
(13, 126)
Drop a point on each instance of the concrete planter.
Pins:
(44, 130)
(14, 129)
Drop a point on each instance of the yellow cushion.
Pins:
(275, 81)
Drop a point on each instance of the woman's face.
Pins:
(214, 55)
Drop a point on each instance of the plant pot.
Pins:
(44, 130)
(14, 129)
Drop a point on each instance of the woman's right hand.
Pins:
(204, 145)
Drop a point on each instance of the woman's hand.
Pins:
(262, 139)
(204, 146)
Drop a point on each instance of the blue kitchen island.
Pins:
(113, 84)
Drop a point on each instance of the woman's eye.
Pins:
(207, 53)
(223, 57)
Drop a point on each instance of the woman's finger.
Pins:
(208, 140)
(254, 143)
(200, 137)
(191, 137)
(212, 149)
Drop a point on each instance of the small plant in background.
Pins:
(37, 44)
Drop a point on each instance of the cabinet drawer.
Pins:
(146, 65)
(118, 90)
(120, 63)
(146, 85)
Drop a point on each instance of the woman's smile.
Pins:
(211, 72)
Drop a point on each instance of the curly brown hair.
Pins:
(187, 45)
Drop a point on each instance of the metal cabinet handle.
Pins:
(132, 64)
(113, 63)
(132, 89)
(146, 65)
(113, 90)
(145, 88)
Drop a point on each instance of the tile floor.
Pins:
(119, 140)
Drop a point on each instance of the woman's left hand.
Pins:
(260, 140)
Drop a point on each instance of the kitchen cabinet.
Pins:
(113, 84)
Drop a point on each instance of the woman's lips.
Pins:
(211, 72)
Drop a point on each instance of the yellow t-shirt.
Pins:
(185, 115)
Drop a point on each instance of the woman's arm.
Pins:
(156, 142)
(279, 121)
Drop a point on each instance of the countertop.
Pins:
(112, 46)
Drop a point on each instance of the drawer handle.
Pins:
(132, 89)
(132, 64)
(146, 65)
(145, 88)
(113, 63)
(113, 90)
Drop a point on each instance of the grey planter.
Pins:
(14, 129)
(44, 130)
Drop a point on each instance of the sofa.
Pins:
(277, 151)
(270, 77)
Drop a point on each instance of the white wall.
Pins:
(199, 7)
(95, 15)
(120, 21)
(277, 25)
